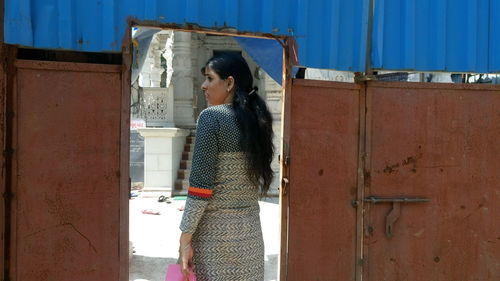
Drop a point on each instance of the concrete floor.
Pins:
(155, 238)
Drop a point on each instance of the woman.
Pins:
(221, 233)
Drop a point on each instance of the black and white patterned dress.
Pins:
(222, 210)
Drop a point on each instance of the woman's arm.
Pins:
(203, 169)
(186, 253)
(201, 184)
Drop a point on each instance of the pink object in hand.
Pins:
(174, 273)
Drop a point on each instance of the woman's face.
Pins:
(217, 91)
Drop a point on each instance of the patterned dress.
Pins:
(222, 210)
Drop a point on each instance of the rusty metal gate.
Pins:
(392, 181)
(323, 161)
(69, 207)
(441, 143)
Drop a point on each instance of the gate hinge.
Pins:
(286, 161)
(359, 77)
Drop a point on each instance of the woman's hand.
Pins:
(186, 255)
(186, 261)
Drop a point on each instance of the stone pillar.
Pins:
(163, 149)
(151, 71)
(182, 80)
(272, 93)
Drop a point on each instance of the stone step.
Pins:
(189, 147)
(183, 174)
(181, 184)
(186, 164)
(187, 155)
(190, 139)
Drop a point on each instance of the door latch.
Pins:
(284, 186)
(395, 212)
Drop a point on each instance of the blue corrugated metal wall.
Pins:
(424, 35)
(329, 32)
(436, 35)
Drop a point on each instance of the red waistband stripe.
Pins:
(199, 192)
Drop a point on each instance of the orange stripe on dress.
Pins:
(200, 192)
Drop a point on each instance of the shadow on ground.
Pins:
(146, 268)
(271, 268)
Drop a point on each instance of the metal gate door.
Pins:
(324, 130)
(68, 217)
(439, 143)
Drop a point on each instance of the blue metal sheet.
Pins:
(494, 47)
(436, 35)
(422, 35)
(330, 33)
(268, 54)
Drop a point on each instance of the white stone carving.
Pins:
(159, 107)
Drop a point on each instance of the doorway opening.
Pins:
(166, 101)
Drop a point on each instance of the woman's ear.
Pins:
(230, 83)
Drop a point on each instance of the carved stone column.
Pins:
(182, 80)
(272, 93)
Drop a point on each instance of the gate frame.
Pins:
(3, 98)
(290, 58)
(125, 185)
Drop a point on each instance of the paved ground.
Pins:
(155, 237)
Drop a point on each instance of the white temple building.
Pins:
(167, 99)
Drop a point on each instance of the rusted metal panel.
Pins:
(2, 155)
(124, 156)
(439, 142)
(10, 53)
(3, 96)
(323, 163)
(66, 172)
(361, 182)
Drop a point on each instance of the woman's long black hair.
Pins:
(252, 114)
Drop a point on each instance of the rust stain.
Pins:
(368, 178)
(410, 161)
(389, 169)
(62, 209)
